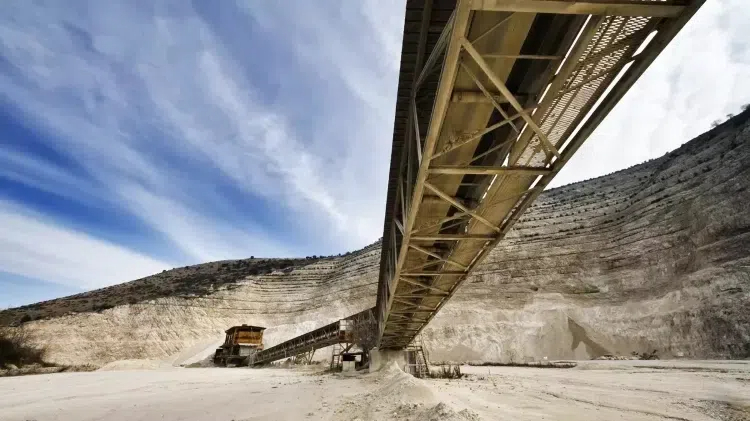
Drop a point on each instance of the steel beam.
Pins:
(409, 311)
(453, 237)
(412, 319)
(500, 23)
(460, 206)
(522, 56)
(663, 9)
(469, 97)
(466, 138)
(413, 296)
(436, 273)
(459, 25)
(508, 95)
(412, 305)
(400, 325)
(421, 285)
(586, 66)
(487, 94)
(480, 170)
(437, 256)
(417, 136)
(436, 52)
(459, 215)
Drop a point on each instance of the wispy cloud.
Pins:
(218, 134)
(34, 246)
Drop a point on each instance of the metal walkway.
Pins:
(494, 98)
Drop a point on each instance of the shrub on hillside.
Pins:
(16, 348)
(446, 372)
(653, 355)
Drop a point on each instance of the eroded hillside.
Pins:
(289, 297)
(185, 282)
(653, 257)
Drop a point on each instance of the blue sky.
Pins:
(138, 135)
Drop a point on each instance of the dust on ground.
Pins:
(597, 390)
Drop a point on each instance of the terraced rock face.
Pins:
(290, 297)
(656, 257)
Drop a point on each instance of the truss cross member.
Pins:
(410, 311)
(415, 296)
(411, 319)
(508, 95)
(412, 305)
(453, 237)
(495, 26)
(437, 256)
(480, 170)
(459, 215)
(466, 138)
(402, 324)
(421, 285)
(436, 273)
(461, 207)
(666, 9)
(487, 94)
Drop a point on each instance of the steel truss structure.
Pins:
(521, 85)
(354, 329)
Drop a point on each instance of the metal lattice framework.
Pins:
(522, 84)
(355, 329)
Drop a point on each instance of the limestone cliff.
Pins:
(653, 257)
(190, 307)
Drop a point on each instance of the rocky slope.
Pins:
(653, 257)
(288, 296)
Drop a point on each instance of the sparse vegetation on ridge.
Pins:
(16, 349)
(197, 280)
(187, 282)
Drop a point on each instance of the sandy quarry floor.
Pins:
(607, 390)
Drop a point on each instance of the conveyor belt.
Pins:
(352, 329)
(492, 103)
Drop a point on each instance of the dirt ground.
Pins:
(595, 390)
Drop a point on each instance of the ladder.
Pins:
(336, 358)
(417, 360)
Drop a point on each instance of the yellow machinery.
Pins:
(240, 345)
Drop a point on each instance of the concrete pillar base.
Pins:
(347, 366)
(380, 359)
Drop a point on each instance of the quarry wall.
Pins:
(655, 257)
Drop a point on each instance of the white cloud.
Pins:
(155, 105)
(198, 236)
(45, 176)
(364, 64)
(38, 248)
(702, 76)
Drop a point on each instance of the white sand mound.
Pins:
(135, 365)
(399, 396)
(443, 412)
(400, 387)
(202, 353)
